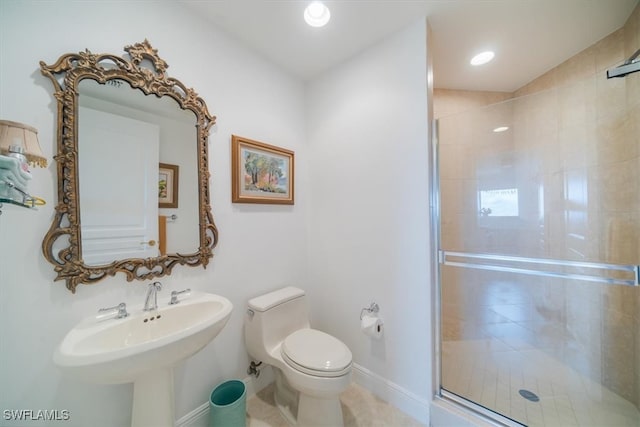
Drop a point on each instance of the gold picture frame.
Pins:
(168, 176)
(261, 173)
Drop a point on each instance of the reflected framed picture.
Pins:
(168, 185)
(261, 173)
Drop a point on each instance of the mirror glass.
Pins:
(132, 166)
(123, 136)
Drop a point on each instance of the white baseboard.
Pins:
(406, 401)
(390, 392)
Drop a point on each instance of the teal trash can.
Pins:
(228, 405)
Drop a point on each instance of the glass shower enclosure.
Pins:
(538, 207)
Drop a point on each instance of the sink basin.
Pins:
(116, 351)
(143, 348)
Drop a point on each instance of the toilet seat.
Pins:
(316, 353)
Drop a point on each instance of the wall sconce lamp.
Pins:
(26, 137)
(20, 141)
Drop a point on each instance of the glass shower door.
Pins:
(539, 246)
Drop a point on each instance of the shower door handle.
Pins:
(514, 264)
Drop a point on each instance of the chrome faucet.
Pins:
(175, 294)
(119, 312)
(151, 300)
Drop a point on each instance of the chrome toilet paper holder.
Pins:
(373, 308)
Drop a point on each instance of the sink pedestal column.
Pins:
(153, 402)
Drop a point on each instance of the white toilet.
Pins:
(311, 367)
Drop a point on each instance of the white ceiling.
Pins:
(528, 36)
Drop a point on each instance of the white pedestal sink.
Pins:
(142, 349)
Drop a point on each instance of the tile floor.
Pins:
(360, 408)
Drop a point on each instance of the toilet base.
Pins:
(303, 410)
(286, 398)
(314, 411)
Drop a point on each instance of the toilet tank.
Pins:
(270, 318)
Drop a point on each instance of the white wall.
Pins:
(369, 215)
(261, 247)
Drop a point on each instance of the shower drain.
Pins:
(529, 395)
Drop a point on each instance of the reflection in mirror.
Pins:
(119, 118)
(122, 137)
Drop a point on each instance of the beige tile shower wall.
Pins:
(597, 130)
(584, 133)
(461, 140)
(631, 45)
(447, 102)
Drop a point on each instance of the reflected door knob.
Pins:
(150, 243)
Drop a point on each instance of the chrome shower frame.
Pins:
(461, 405)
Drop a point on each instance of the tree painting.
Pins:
(162, 186)
(265, 173)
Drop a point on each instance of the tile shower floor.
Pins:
(499, 338)
(491, 373)
(359, 408)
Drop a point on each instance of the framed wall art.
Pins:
(168, 185)
(261, 173)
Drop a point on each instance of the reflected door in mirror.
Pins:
(177, 146)
(118, 162)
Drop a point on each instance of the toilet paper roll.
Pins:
(371, 326)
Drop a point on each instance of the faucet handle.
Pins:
(156, 285)
(174, 295)
(109, 312)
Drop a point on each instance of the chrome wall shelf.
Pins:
(23, 199)
(31, 205)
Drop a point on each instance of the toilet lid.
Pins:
(316, 353)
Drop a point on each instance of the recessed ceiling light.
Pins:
(482, 58)
(501, 129)
(317, 14)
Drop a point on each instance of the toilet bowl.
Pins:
(311, 367)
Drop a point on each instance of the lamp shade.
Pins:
(13, 133)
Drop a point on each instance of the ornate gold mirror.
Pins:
(132, 163)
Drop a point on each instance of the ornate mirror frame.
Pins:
(65, 233)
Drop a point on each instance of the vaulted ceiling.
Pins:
(529, 37)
